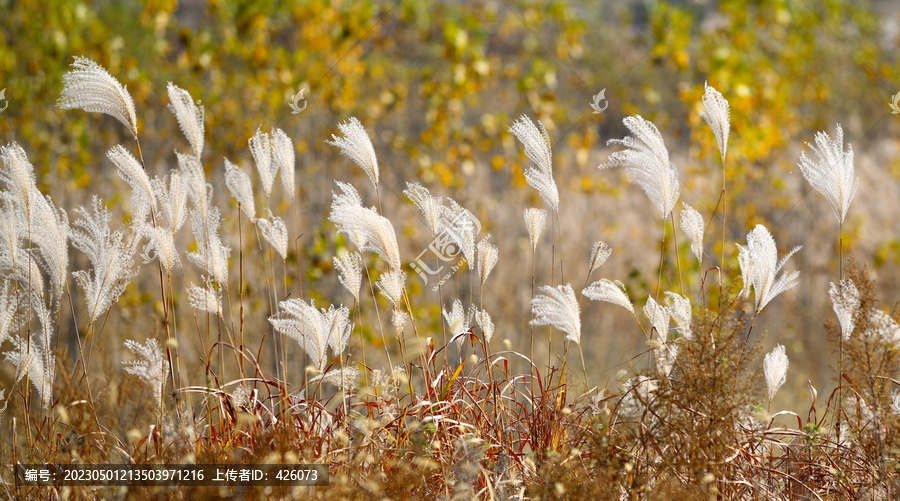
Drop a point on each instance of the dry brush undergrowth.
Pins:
(412, 410)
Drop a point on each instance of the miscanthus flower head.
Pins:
(89, 87)
(845, 300)
(535, 221)
(717, 115)
(646, 159)
(537, 148)
(356, 145)
(189, 116)
(760, 266)
(775, 366)
(692, 225)
(557, 306)
(830, 172)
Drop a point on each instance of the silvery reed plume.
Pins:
(275, 232)
(558, 307)
(91, 88)
(775, 366)
(488, 254)
(111, 254)
(845, 300)
(600, 252)
(610, 292)
(38, 363)
(759, 267)
(238, 183)
(314, 330)
(458, 321)
(717, 115)
(261, 149)
(659, 321)
(646, 160)
(537, 149)
(189, 116)
(365, 227)
(349, 267)
(152, 368)
(357, 146)
(535, 221)
(692, 225)
(680, 311)
(205, 299)
(831, 171)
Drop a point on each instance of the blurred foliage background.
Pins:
(438, 83)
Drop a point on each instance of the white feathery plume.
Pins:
(759, 267)
(717, 115)
(537, 149)
(38, 220)
(31, 359)
(557, 306)
(131, 171)
(845, 300)
(349, 202)
(346, 378)
(49, 232)
(194, 178)
(831, 171)
(91, 88)
(162, 241)
(189, 116)
(339, 328)
(357, 146)
(461, 229)
(391, 285)
(487, 325)
(349, 267)
(152, 368)
(261, 149)
(647, 162)
(680, 310)
(432, 208)
(488, 254)
(692, 225)
(8, 308)
(284, 159)
(171, 194)
(111, 256)
(211, 255)
(313, 330)
(275, 232)
(370, 231)
(18, 175)
(535, 221)
(659, 318)
(205, 299)
(608, 291)
(881, 325)
(600, 252)
(775, 366)
(895, 403)
(238, 183)
(399, 319)
(458, 321)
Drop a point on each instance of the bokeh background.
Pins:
(437, 84)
